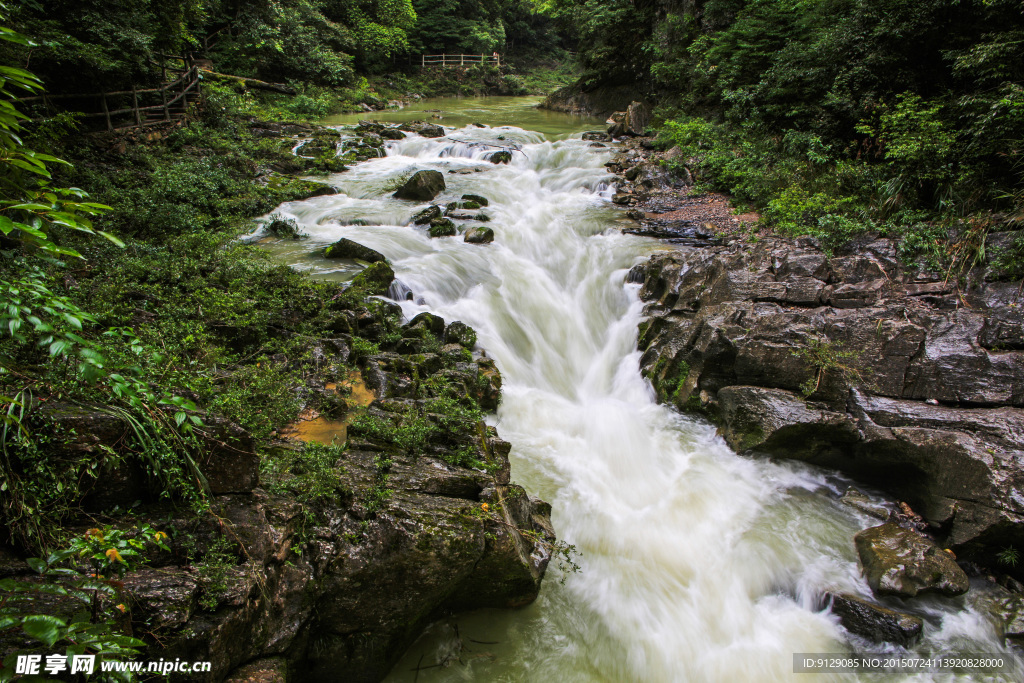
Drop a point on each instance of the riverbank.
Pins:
(853, 359)
(409, 515)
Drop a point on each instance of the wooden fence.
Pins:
(170, 102)
(459, 60)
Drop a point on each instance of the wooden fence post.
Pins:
(135, 106)
(106, 112)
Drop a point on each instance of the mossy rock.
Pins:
(502, 157)
(479, 235)
(285, 228)
(460, 333)
(426, 215)
(422, 186)
(482, 201)
(376, 279)
(289, 189)
(346, 248)
(442, 227)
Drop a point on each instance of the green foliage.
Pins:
(824, 355)
(91, 620)
(1009, 556)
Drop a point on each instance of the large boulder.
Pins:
(637, 118)
(855, 362)
(903, 563)
(346, 248)
(873, 621)
(422, 187)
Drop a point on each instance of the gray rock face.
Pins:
(422, 187)
(873, 621)
(903, 563)
(346, 248)
(853, 362)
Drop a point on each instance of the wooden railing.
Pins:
(459, 60)
(173, 100)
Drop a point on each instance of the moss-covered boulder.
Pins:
(426, 215)
(346, 248)
(479, 235)
(502, 157)
(904, 563)
(460, 333)
(442, 227)
(422, 186)
(482, 201)
(376, 279)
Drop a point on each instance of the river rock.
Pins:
(903, 563)
(422, 187)
(595, 136)
(392, 134)
(427, 130)
(482, 201)
(600, 101)
(637, 118)
(874, 622)
(479, 235)
(502, 157)
(442, 227)
(854, 362)
(1009, 614)
(426, 215)
(376, 279)
(460, 333)
(346, 248)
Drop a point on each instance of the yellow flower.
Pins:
(485, 507)
(94, 533)
(122, 608)
(159, 536)
(115, 556)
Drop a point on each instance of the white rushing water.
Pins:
(697, 564)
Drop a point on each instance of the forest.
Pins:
(127, 298)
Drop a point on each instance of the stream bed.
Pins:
(695, 564)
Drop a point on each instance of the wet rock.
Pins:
(432, 323)
(442, 227)
(376, 279)
(874, 622)
(392, 134)
(860, 501)
(168, 596)
(285, 229)
(427, 130)
(1009, 614)
(346, 248)
(482, 201)
(903, 563)
(422, 187)
(595, 136)
(479, 235)
(839, 362)
(502, 157)
(426, 215)
(622, 198)
(460, 333)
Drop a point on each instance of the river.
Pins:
(696, 564)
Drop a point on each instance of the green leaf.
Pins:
(43, 628)
(37, 565)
